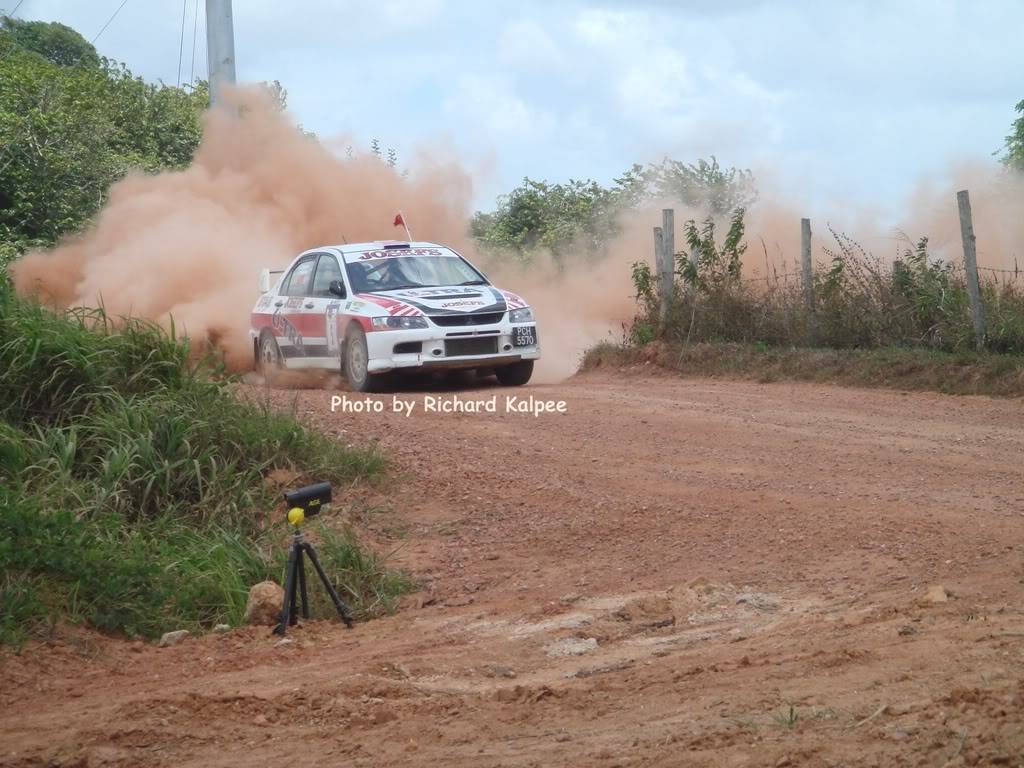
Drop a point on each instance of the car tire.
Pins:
(355, 361)
(514, 375)
(268, 360)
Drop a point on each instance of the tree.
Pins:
(1014, 157)
(57, 43)
(556, 217)
(704, 185)
(584, 214)
(67, 132)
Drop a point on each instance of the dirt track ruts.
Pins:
(675, 572)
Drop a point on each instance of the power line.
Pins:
(181, 38)
(11, 14)
(112, 17)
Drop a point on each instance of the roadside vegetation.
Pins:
(905, 324)
(132, 482)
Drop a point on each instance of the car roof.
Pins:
(379, 245)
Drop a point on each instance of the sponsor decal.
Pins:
(391, 253)
(293, 303)
(331, 317)
(354, 306)
(448, 304)
(411, 307)
(263, 303)
(513, 301)
(393, 306)
(283, 325)
(439, 293)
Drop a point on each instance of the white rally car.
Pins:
(371, 308)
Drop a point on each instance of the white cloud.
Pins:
(492, 107)
(409, 13)
(526, 45)
(655, 86)
(869, 95)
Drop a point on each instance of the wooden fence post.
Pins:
(659, 260)
(963, 201)
(806, 267)
(666, 262)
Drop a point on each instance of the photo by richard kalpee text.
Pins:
(531, 406)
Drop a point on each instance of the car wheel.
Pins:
(515, 375)
(356, 360)
(269, 359)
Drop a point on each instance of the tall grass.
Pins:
(131, 480)
(861, 302)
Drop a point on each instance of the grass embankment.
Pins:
(905, 369)
(132, 493)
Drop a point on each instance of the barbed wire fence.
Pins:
(975, 275)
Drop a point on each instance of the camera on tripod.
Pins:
(309, 500)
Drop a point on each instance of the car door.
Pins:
(327, 306)
(291, 320)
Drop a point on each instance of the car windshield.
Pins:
(395, 272)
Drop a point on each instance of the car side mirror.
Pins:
(337, 288)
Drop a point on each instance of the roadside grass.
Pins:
(132, 493)
(961, 373)
(788, 717)
(904, 323)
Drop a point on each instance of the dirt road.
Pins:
(673, 572)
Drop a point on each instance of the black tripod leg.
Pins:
(342, 609)
(302, 588)
(288, 606)
(293, 616)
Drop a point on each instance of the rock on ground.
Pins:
(173, 638)
(264, 604)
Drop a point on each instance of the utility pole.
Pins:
(220, 48)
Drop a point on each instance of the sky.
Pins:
(853, 101)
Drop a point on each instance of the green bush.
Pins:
(133, 481)
(860, 302)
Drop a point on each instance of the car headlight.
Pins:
(524, 315)
(397, 323)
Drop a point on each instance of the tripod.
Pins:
(295, 579)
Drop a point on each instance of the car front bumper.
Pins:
(434, 353)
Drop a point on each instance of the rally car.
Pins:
(373, 308)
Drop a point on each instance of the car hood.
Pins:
(448, 300)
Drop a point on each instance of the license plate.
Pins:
(524, 336)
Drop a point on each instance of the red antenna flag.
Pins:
(400, 222)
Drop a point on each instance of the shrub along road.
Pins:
(673, 572)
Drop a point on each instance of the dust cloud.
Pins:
(190, 244)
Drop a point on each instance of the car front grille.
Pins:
(475, 346)
(477, 318)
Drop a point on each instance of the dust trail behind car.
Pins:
(189, 244)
